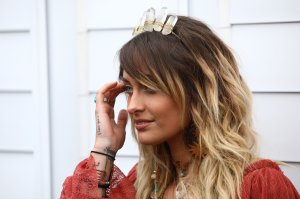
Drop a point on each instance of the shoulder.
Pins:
(261, 166)
(264, 179)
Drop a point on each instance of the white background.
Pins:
(54, 54)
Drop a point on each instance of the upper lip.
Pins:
(137, 121)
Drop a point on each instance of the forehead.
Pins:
(126, 77)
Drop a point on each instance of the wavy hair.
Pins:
(200, 73)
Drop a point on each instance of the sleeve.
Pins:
(267, 183)
(83, 183)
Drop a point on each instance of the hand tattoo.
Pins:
(98, 123)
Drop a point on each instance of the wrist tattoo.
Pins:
(105, 164)
(110, 151)
(101, 175)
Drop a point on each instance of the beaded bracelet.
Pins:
(105, 154)
(104, 184)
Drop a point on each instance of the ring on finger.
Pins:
(106, 99)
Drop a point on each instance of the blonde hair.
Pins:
(200, 73)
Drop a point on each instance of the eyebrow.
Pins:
(127, 81)
(124, 80)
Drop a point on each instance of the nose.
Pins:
(135, 103)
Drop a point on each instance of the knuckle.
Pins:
(99, 91)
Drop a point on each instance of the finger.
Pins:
(107, 87)
(122, 119)
(104, 90)
(102, 97)
(114, 92)
(112, 114)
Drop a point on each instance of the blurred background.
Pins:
(54, 54)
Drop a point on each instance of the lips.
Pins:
(141, 124)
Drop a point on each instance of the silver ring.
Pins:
(106, 99)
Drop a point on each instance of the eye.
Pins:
(128, 90)
(149, 90)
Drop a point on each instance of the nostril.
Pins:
(131, 109)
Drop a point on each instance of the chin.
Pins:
(148, 141)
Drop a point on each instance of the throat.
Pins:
(181, 156)
(181, 168)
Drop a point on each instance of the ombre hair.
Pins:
(199, 71)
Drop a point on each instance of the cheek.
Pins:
(167, 116)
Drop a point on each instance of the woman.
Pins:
(191, 114)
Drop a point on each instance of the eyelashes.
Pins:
(128, 90)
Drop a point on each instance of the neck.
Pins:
(180, 153)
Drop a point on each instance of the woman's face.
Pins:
(155, 115)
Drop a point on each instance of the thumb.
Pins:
(122, 119)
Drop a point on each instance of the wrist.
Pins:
(102, 143)
(105, 149)
(106, 154)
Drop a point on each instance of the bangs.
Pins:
(143, 60)
(135, 60)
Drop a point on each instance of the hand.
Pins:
(109, 134)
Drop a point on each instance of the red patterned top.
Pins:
(262, 180)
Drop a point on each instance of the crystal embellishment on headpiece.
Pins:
(161, 18)
(150, 18)
(139, 29)
(168, 27)
(149, 22)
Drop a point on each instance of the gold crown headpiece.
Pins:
(149, 22)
